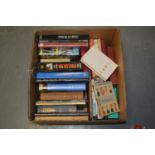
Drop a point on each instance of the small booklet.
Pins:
(99, 63)
(105, 97)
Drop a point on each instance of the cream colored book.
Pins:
(99, 63)
(56, 60)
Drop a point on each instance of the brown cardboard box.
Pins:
(112, 37)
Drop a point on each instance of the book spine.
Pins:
(60, 102)
(60, 52)
(61, 118)
(58, 59)
(71, 66)
(62, 87)
(64, 37)
(113, 77)
(64, 114)
(62, 96)
(104, 46)
(61, 75)
(49, 45)
(56, 109)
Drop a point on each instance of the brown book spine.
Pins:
(61, 118)
(62, 96)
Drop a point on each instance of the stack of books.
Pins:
(62, 79)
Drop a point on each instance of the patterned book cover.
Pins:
(105, 97)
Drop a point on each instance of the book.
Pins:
(61, 118)
(104, 46)
(63, 37)
(117, 114)
(99, 63)
(97, 43)
(65, 114)
(62, 96)
(60, 51)
(111, 55)
(59, 59)
(105, 97)
(55, 60)
(54, 67)
(62, 87)
(95, 108)
(56, 109)
(60, 102)
(62, 75)
(62, 80)
(62, 44)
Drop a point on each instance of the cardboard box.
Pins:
(112, 37)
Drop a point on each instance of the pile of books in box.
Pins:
(68, 65)
(62, 79)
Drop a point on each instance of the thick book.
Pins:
(71, 37)
(60, 51)
(99, 63)
(60, 102)
(63, 75)
(62, 87)
(56, 109)
(62, 96)
(62, 118)
(60, 67)
(111, 55)
(63, 44)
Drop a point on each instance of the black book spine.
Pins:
(73, 66)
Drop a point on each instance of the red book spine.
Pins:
(48, 45)
(104, 46)
(111, 55)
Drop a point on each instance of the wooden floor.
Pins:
(139, 55)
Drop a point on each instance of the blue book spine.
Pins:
(64, 87)
(62, 75)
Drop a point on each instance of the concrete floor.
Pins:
(139, 55)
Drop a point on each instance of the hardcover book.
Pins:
(62, 96)
(64, 37)
(60, 52)
(62, 44)
(62, 118)
(63, 75)
(62, 87)
(54, 67)
(60, 102)
(57, 109)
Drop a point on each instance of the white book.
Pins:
(99, 63)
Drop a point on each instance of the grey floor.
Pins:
(139, 55)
